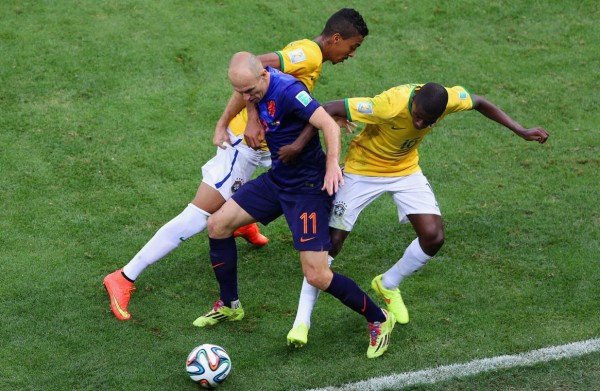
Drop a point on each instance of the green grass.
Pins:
(107, 114)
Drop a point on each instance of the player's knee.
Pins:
(318, 279)
(215, 227)
(211, 225)
(337, 241)
(432, 241)
(336, 247)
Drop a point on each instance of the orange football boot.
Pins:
(252, 234)
(119, 289)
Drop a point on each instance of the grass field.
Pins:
(107, 110)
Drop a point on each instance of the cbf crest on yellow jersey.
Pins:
(302, 59)
(388, 144)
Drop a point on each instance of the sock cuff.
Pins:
(125, 276)
(198, 210)
(220, 244)
(417, 252)
(333, 284)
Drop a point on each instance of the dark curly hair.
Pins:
(347, 22)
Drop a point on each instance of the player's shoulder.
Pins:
(305, 43)
(284, 81)
(302, 50)
(459, 95)
(458, 91)
(408, 88)
(281, 77)
(399, 92)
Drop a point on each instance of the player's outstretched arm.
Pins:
(234, 106)
(331, 132)
(494, 113)
(337, 109)
(270, 59)
(287, 153)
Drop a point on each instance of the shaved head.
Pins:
(244, 67)
(432, 98)
(248, 77)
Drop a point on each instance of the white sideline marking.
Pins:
(434, 375)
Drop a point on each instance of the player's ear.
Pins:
(335, 38)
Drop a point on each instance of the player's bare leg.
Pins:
(209, 199)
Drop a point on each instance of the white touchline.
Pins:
(446, 372)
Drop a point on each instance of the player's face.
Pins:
(421, 119)
(252, 90)
(342, 48)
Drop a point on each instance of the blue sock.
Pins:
(223, 256)
(346, 291)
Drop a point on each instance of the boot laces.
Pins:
(374, 331)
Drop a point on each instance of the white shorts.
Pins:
(412, 194)
(230, 168)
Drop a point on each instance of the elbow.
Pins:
(334, 108)
(329, 108)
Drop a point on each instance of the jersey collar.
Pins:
(410, 99)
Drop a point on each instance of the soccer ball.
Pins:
(208, 365)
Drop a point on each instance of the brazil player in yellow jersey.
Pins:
(235, 162)
(383, 158)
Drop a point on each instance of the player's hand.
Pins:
(254, 134)
(333, 178)
(221, 137)
(288, 153)
(343, 123)
(535, 134)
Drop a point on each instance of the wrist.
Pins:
(332, 160)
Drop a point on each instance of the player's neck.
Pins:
(322, 42)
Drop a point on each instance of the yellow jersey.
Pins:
(387, 146)
(302, 59)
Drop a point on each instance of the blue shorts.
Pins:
(307, 214)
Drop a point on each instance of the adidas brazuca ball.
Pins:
(208, 365)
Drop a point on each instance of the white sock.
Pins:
(187, 224)
(308, 297)
(413, 259)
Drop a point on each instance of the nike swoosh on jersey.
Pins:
(302, 240)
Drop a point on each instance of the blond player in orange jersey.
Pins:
(235, 162)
